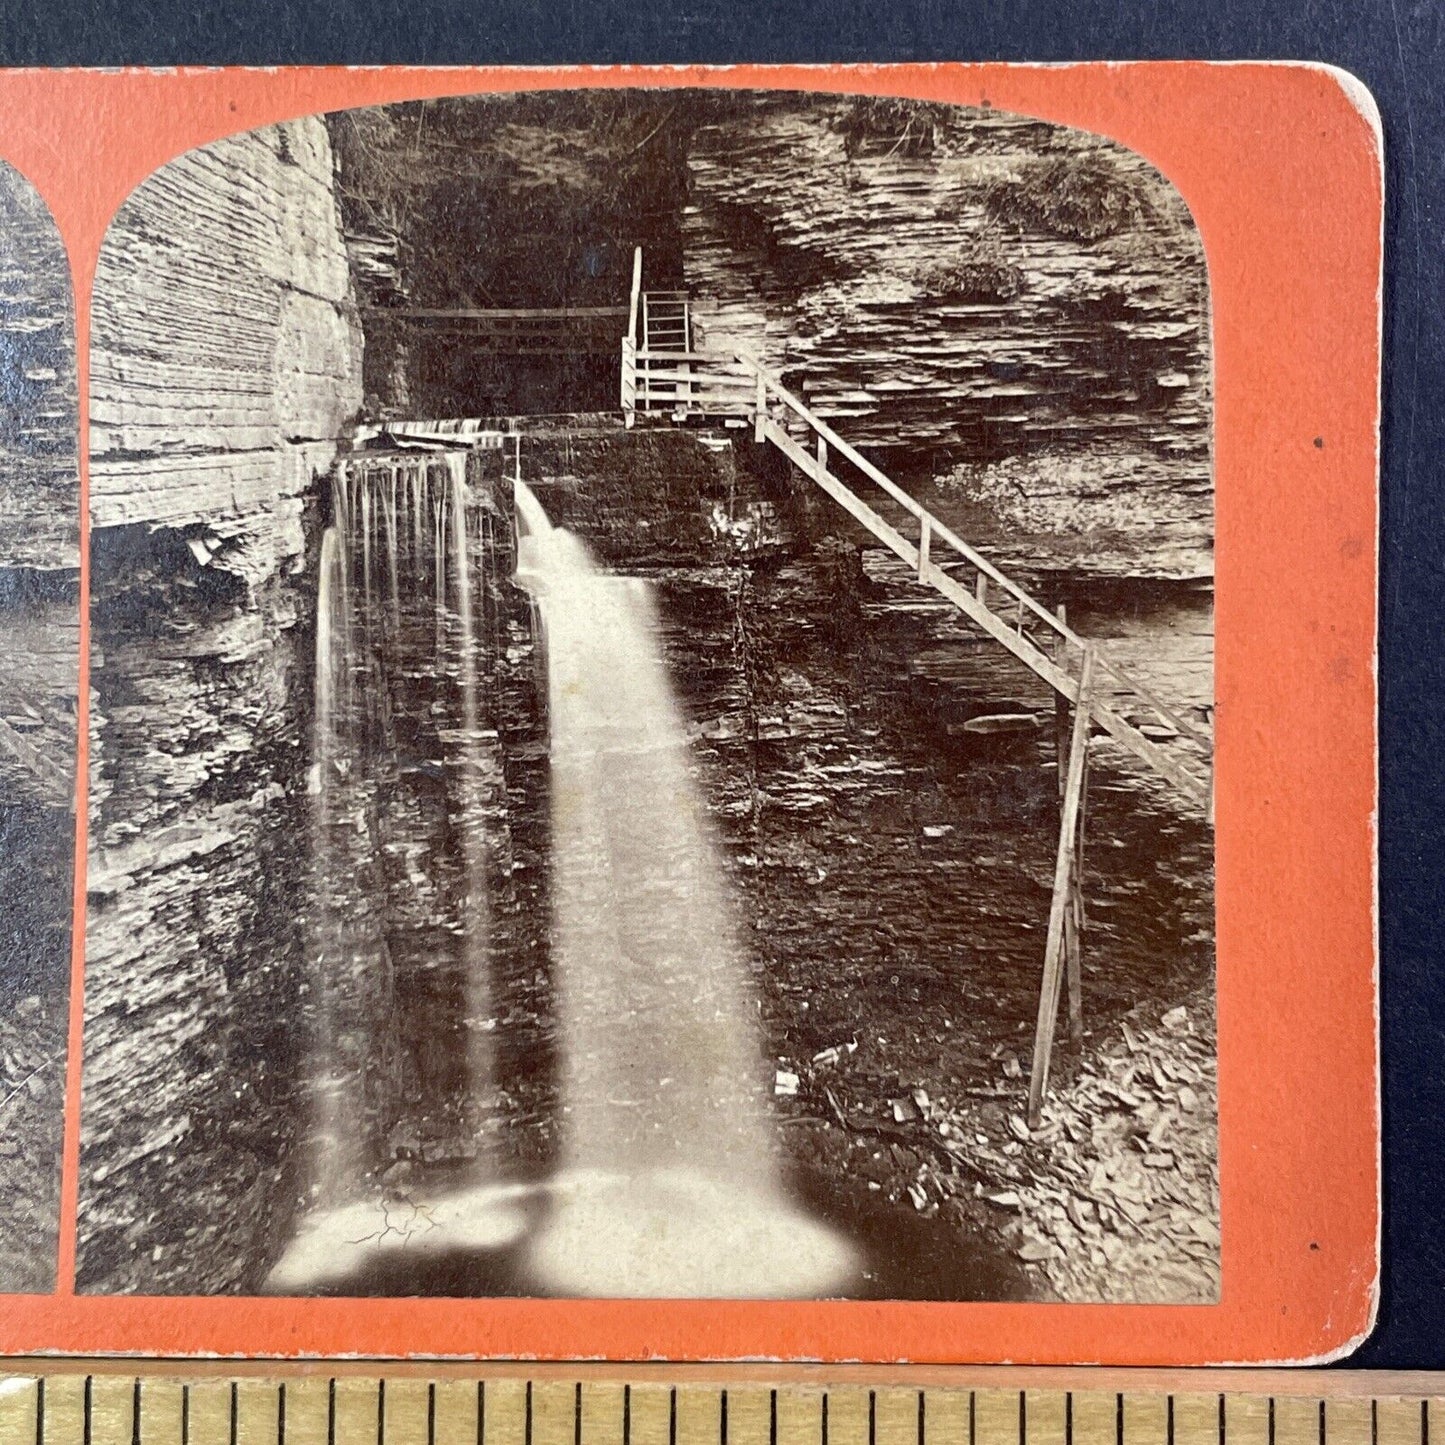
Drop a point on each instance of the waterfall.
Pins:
(389, 502)
(397, 727)
(326, 1104)
(328, 589)
(669, 1186)
(476, 914)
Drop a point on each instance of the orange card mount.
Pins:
(722, 713)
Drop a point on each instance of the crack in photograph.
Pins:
(652, 710)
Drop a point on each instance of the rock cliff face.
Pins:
(224, 341)
(1016, 306)
(39, 666)
(226, 359)
(39, 491)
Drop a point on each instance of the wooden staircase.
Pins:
(737, 386)
(1174, 747)
(1099, 692)
(666, 322)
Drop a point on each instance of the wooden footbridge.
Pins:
(666, 377)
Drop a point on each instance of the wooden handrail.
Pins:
(939, 530)
(715, 358)
(907, 502)
(1011, 634)
(538, 314)
(671, 381)
(681, 373)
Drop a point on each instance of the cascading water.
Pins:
(372, 802)
(669, 1185)
(325, 1142)
(473, 821)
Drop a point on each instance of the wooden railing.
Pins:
(510, 331)
(629, 343)
(691, 383)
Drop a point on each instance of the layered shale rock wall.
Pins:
(39, 669)
(39, 504)
(1016, 308)
(226, 360)
(39, 487)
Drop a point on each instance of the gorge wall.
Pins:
(39, 670)
(226, 361)
(1014, 308)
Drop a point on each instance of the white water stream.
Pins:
(669, 1184)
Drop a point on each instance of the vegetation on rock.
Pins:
(1078, 197)
(891, 125)
(980, 272)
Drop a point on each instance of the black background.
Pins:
(1397, 47)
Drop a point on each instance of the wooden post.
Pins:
(629, 381)
(1061, 711)
(636, 292)
(1074, 920)
(822, 455)
(761, 417)
(925, 541)
(981, 590)
(1074, 913)
(1059, 902)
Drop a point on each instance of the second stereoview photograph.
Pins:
(651, 665)
(39, 674)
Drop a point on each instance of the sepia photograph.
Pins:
(651, 709)
(39, 672)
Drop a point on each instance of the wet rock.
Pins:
(449, 1151)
